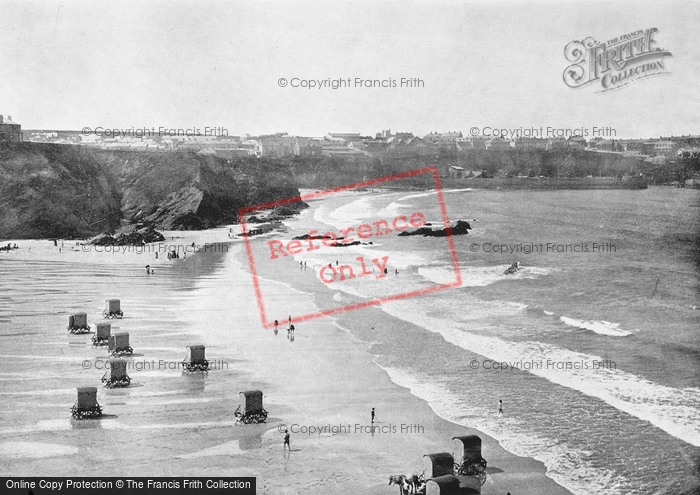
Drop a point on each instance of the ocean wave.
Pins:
(430, 193)
(392, 209)
(600, 327)
(351, 213)
(565, 464)
(676, 411)
(479, 276)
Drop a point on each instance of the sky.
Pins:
(197, 64)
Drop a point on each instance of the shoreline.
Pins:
(328, 376)
(517, 474)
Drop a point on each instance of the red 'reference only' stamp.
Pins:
(276, 249)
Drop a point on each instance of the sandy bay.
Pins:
(170, 424)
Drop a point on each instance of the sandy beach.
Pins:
(172, 424)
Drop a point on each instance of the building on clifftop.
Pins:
(10, 131)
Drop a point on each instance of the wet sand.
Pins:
(172, 424)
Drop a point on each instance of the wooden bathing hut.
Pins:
(195, 360)
(87, 406)
(102, 332)
(118, 344)
(116, 376)
(113, 309)
(77, 323)
(467, 455)
(437, 465)
(251, 408)
(443, 485)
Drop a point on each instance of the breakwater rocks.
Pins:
(460, 228)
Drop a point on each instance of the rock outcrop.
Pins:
(140, 236)
(460, 228)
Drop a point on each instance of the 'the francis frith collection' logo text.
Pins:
(616, 62)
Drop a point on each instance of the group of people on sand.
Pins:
(9, 247)
(290, 329)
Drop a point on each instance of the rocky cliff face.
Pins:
(189, 191)
(71, 191)
(55, 191)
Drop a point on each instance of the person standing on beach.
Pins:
(500, 407)
(373, 415)
(286, 440)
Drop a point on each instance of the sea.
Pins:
(592, 346)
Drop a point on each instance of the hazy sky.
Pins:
(67, 65)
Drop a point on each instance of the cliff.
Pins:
(49, 190)
(181, 191)
(73, 192)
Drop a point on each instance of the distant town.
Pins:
(218, 142)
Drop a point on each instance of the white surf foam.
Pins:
(479, 276)
(600, 327)
(392, 209)
(676, 411)
(353, 212)
(430, 193)
(566, 464)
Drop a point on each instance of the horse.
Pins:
(400, 479)
(409, 484)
